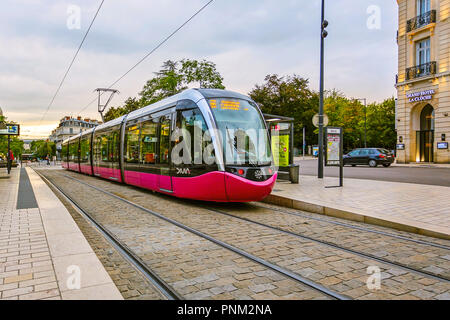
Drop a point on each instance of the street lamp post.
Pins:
(323, 35)
(365, 120)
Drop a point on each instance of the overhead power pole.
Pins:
(102, 108)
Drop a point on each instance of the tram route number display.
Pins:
(333, 147)
(280, 150)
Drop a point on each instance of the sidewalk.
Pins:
(43, 253)
(414, 208)
(422, 165)
(395, 164)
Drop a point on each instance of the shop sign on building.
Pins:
(420, 96)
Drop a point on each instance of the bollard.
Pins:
(294, 173)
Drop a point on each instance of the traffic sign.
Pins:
(316, 120)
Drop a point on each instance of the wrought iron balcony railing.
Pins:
(421, 70)
(421, 21)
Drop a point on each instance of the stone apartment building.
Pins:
(423, 82)
(68, 127)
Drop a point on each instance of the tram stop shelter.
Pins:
(283, 146)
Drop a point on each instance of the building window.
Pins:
(423, 52)
(71, 130)
(423, 6)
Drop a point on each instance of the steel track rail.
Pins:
(164, 288)
(335, 246)
(269, 265)
(356, 227)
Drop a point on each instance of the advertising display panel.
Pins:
(10, 129)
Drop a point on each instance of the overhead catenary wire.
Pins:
(150, 53)
(72, 62)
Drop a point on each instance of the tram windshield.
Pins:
(243, 132)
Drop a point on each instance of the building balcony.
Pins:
(421, 21)
(421, 70)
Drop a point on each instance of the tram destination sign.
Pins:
(10, 129)
(420, 96)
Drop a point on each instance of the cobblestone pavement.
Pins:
(414, 204)
(338, 270)
(422, 257)
(196, 268)
(26, 268)
(130, 282)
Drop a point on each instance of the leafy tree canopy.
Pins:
(42, 148)
(291, 96)
(174, 77)
(16, 144)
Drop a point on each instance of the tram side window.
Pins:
(149, 142)
(113, 146)
(193, 127)
(64, 153)
(164, 145)
(73, 151)
(132, 144)
(85, 150)
(104, 147)
(97, 149)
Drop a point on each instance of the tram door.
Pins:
(165, 179)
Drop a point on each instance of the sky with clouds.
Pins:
(246, 39)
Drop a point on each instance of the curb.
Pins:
(353, 216)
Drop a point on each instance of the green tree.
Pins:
(42, 148)
(289, 96)
(16, 145)
(381, 124)
(348, 114)
(173, 78)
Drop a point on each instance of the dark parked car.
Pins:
(369, 156)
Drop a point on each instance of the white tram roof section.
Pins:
(190, 94)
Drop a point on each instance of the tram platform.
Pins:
(43, 254)
(416, 208)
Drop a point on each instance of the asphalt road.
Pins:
(430, 176)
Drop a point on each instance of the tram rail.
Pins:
(164, 288)
(288, 273)
(350, 226)
(335, 246)
(253, 255)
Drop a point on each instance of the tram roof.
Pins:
(189, 94)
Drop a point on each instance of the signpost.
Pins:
(335, 151)
(315, 120)
(9, 130)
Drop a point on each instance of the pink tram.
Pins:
(202, 144)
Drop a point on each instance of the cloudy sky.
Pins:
(247, 39)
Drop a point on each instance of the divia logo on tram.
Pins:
(203, 144)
